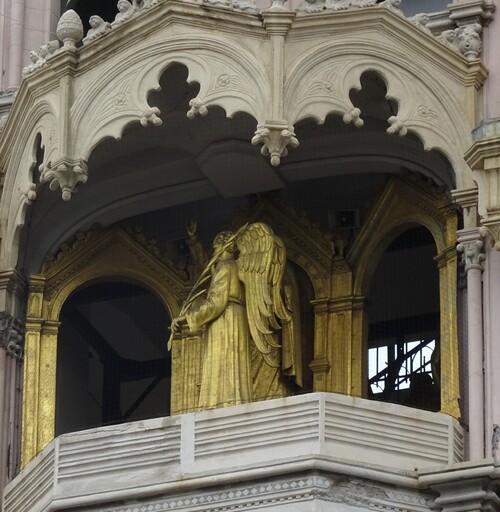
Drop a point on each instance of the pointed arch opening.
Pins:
(403, 333)
(112, 363)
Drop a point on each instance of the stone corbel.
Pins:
(275, 138)
(65, 174)
(484, 159)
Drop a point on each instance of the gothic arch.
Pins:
(91, 256)
(402, 204)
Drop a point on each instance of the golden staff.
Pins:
(192, 296)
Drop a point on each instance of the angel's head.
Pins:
(95, 21)
(221, 241)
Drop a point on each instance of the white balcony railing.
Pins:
(167, 455)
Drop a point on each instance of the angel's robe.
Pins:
(226, 372)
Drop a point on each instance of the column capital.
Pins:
(471, 246)
(11, 335)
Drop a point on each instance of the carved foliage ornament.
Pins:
(11, 335)
(274, 140)
(65, 174)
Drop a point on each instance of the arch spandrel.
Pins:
(401, 205)
(230, 76)
(19, 190)
(112, 253)
(434, 88)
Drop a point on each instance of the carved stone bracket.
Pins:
(11, 336)
(275, 138)
(66, 173)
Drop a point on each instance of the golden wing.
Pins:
(261, 264)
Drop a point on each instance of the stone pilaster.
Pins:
(471, 247)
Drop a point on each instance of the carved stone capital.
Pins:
(471, 248)
(11, 335)
(274, 139)
(66, 174)
(484, 159)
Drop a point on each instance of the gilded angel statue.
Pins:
(242, 312)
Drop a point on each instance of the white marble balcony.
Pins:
(319, 432)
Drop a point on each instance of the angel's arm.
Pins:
(205, 311)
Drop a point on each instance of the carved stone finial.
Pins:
(65, 174)
(472, 254)
(70, 29)
(275, 139)
(98, 28)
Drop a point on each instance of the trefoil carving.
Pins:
(275, 139)
(198, 107)
(66, 175)
(150, 115)
(397, 126)
(353, 117)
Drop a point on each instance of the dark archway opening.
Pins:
(113, 366)
(403, 338)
